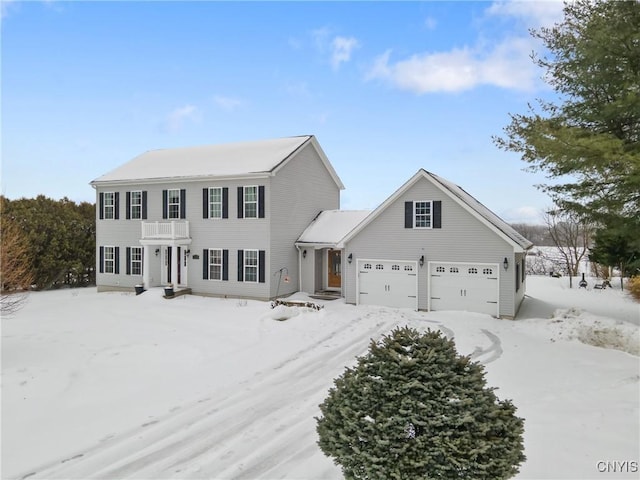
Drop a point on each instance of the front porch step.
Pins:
(178, 293)
(326, 295)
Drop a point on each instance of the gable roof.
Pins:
(230, 160)
(330, 226)
(460, 196)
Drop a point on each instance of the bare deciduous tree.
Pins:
(571, 235)
(16, 274)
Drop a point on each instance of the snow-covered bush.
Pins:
(413, 408)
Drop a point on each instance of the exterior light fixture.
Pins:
(157, 252)
(304, 254)
(422, 260)
(505, 263)
(350, 258)
(187, 253)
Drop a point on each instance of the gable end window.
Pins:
(174, 203)
(423, 214)
(136, 205)
(109, 205)
(215, 202)
(251, 201)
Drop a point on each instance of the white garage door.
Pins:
(388, 283)
(464, 286)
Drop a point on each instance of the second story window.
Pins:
(251, 202)
(109, 205)
(215, 203)
(174, 203)
(135, 209)
(422, 215)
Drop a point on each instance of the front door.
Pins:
(335, 269)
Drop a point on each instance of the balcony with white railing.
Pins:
(173, 230)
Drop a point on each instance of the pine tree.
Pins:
(412, 408)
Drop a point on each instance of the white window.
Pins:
(395, 267)
(251, 202)
(422, 215)
(487, 271)
(135, 266)
(473, 270)
(215, 264)
(251, 265)
(109, 259)
(379, 266)
(408, 268)
(454, 270)
(440, 269)
(367, 266)
(215, 202)
(173, 203)
(136, 205)
(109, 205)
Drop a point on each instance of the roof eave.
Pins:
(187, 179)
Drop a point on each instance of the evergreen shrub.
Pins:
(412, 408)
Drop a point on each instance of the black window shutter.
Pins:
(128, 202)
(116, 207)
(225, 202)
(437, 214)
(205, 203)
(205, 264)
(144, 205)
(225, 264)
(183, 203)
(240, 202)
(408, 214)
(116, 260)
(101, 207)
(240, 265)
(101, 266)
(261, 265)
(261, 201)
(128, 266)
(165, 201)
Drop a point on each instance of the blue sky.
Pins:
(387, 88)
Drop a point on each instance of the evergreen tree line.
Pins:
(59, 236)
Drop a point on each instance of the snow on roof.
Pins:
(223, 160)
(484, 212)
(330, 226)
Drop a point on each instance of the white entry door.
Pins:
(389, 283)
(470, 287)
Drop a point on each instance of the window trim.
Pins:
(247, 266)
(245, 202)
(111, 206)
(212, 264)
(132, 205)
(137, 262)
(211, 203)
(428, 216)
(170, 203)
(109, 261)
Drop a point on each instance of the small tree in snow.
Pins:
(413, 408)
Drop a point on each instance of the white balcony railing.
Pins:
(165, 230)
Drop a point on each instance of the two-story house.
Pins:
(262, 219)
(220, 220)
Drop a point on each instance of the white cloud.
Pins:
(535, 13)
(430, 23)
(341, 50)
(227, 103)
(507, 65)
(176, 120)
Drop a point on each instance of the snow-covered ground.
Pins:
(115, 385)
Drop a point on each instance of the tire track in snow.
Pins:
(234, 428)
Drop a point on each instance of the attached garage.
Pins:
(389, 283)
(464, 286)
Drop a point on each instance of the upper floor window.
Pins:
(135, 207)
(109, 205)
(422, 215)
(251, 201)
(173, 203)
(215, 202)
